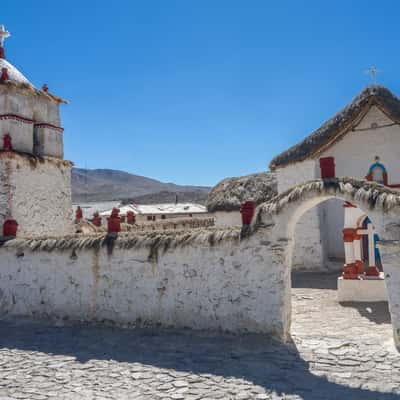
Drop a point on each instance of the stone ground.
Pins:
(338, 352)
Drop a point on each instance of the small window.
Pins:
(163, 216)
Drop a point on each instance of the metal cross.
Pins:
(3, 35)
(372, 71)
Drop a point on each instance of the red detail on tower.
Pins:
(4, 74)
(10, 227)
(247, 210)
(327, 165)
(45, 88)
(114, 221)
(7, 142)
(2, 53)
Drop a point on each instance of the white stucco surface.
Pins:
(233, 287)
(355, 152)
(227, 218)
(36, 193)
(361, 290)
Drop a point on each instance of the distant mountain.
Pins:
(106, 184)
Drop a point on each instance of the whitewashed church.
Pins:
(361, 141)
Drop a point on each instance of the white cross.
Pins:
(3, 35)
(372, 71)
(370, 231)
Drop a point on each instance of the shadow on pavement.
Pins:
(377, 312)
(314, 280)
(256, 358)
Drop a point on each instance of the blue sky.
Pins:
(195, 91)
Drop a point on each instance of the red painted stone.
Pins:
(350, 271)
(78, 214)
(96, 220)
(10, 227)
(4, 75)
(114, 221)
(7, 142)
(247, 210)
(372, 271)
(130, 217)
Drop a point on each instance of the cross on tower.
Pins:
(372, 71)
(3, 35)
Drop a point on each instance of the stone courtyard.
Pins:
(338, 352)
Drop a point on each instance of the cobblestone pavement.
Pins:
(338, 352)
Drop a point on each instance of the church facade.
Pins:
(362, 141)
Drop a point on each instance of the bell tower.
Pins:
(35, 180)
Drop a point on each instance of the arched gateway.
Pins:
(276, 221)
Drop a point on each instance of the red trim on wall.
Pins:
(17, 117)
(30, 121)
(46, 125)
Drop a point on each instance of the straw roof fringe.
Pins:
(153, 241)
(371, 194)
(230, 193)
(340, 124)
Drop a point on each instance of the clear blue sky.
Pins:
(195, 91)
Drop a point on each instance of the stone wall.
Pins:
(36, 192)
(210, 283)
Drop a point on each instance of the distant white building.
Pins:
(155, 212)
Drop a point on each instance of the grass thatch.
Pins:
(230, 193)
(153, 241)
(340, 124)
(372, 195)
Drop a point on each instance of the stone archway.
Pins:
(280, 215)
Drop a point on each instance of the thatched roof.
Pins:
(230, 193)
(343, 122)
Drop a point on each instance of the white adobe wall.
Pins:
(36, 193)
(308, 253)
(233, 287)
(48, 141)
(293, 174)
(226, 219)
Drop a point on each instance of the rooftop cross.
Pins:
(372, 71)
(3, 35)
